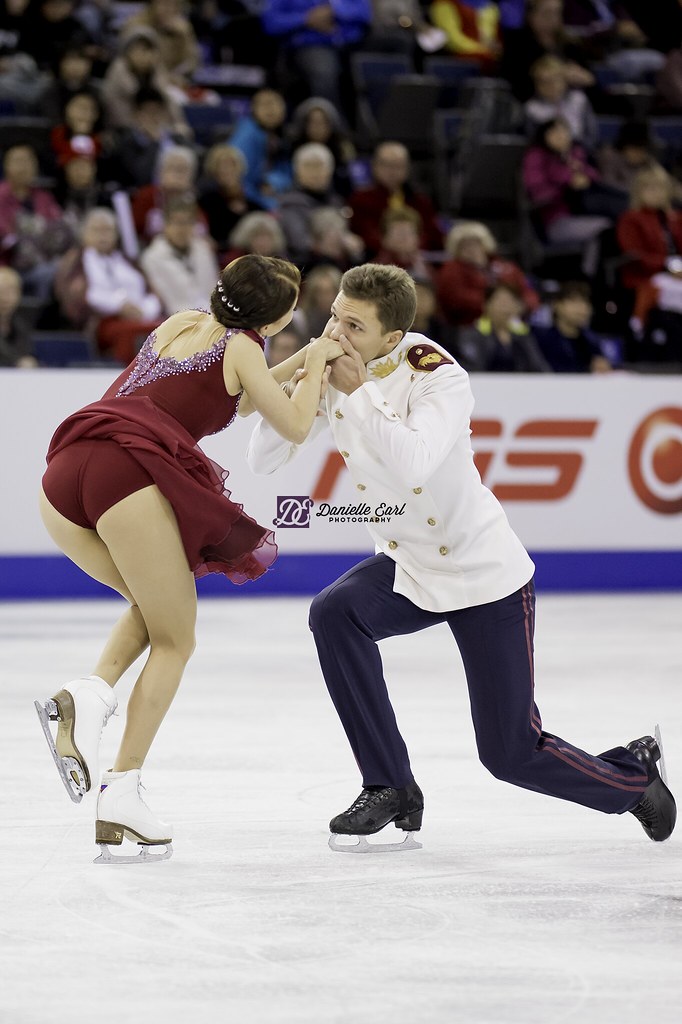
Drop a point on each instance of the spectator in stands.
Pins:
(317, 120)
(569, 346)
(15, 331)
(12, 14)
(558, 179)
(400, 233)
(499, 341)
(632, 151)
(178, 47)
(79, 132)
(391, 189)
(554, 98)
(320, 288)
(332, 241)
(471, 28)
(257, 232)
(543, 32)
(221, 196)
(669, 80)
(260, 137)
(396, 26)
(51, 27)
(284, 344)
(138, 67)
(232, 30)
(78, 190)
(22, 85)
(608, 34)
(73, 74)
(650, 233)
(99, 16)
(180, 265)
(33, 232)
(138, 148)
(428, 318)
(174, 178)
(661, 22)
(318, 38)
(472, 269)
(313, 166)
(99, 289)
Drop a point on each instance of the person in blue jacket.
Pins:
(260, 137)
(319, 35)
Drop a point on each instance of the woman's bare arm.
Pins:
(290, 417)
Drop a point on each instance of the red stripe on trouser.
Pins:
(535, 720)
(631, 785)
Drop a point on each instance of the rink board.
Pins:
(588, 469)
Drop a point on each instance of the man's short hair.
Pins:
(390, 288)
(573, 290)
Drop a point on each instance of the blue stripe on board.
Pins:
(53, 576)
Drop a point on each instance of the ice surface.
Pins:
(519, 908)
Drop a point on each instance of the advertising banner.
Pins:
(589, 464)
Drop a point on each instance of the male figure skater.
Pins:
(399, 409)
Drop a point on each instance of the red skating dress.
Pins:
(145, 431)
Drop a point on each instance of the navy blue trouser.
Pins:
(496, 643)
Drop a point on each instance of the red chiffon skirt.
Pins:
(218, 536)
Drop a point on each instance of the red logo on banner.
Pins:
(655, 461)
(565, 462)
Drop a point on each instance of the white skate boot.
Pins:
(121, 812)
(82, 709)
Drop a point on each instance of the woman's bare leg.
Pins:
(129, 638)
(143, 540)
(127, 641)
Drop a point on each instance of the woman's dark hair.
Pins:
(634, 133)
(503, 286)
(253, 291)
(540, 137)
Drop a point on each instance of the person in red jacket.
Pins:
(651, 233)
(472, 269)
(391, 190)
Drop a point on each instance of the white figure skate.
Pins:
(122, 813)
(81, 709)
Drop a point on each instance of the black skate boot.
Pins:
(377, 806)
(656, 811)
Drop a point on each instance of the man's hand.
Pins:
(289, 386)
(348, 372)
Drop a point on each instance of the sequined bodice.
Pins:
(192, 390)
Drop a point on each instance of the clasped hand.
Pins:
(346, 373)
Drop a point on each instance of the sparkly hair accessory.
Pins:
(224, 300)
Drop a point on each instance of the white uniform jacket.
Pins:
(405, 438)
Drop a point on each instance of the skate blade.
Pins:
(661, 761)
(70, 771)
(143, 857)
(360, 844)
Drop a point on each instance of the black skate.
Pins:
(375, 808)
(656, 811)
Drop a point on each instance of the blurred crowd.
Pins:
(144, 145)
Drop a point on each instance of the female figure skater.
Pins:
(133, 502)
